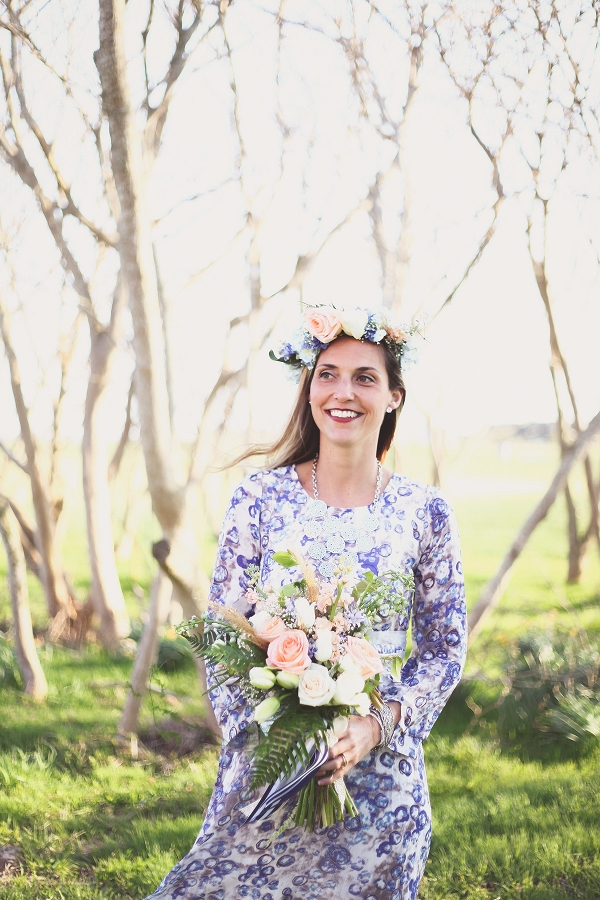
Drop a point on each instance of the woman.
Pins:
(343, 423)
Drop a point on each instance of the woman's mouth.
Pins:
(343, 415)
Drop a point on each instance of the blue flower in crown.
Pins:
(323, 324)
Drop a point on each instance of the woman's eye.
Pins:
(324, 374)
(365, 379)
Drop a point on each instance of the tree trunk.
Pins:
(106, 593)
(160, 602)
(575, 542)
(29, 665)
(139, 272)
(493, 589)
(55, 586)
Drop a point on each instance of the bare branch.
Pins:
(22, 465)
(157, 118)
(115, 462)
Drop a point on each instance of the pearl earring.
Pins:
(389, 409)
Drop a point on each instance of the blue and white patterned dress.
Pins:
(380, 853)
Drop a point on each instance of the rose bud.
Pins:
(261, 678)
(266, 710)
(287, 679)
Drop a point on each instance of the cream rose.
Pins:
(354, 322)
(367, 657)
(361, 704)
(323, 323)
(305, 613)
(347, 686)
(340, 725)
(258, 619)
(324, 648)
(316, 686)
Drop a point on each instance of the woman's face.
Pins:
(350, 392)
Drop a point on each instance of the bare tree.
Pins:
(492, 592)
(56, 203)
(493, 61)
(60, 602)
(32, 673)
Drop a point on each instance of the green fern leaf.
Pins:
(284, 747)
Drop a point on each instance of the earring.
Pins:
(389, 409)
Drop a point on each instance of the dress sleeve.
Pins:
(439, 625)
(239, 546)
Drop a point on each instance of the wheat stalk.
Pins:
(312, 588)
(236, 619)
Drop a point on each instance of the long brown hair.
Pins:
(300, 439)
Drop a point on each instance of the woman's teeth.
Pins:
(342, 413)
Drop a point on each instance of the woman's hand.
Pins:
(364, 733)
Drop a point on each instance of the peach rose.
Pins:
(323, 323)
(365, 655)
(289, 652)
(271, 628)
(396, 334)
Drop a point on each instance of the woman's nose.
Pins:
(344, 389)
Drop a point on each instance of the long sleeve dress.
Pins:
(379, 854)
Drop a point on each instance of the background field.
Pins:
(95, 818)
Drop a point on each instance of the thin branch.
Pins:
(115, 462)
(22, 465)
(157, 118)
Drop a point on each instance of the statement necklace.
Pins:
(329, 535)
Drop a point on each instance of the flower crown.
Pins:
(323, 324)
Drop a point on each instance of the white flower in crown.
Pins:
(354, 322)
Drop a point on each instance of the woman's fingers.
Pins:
(334, 769)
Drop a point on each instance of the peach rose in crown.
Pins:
(289, 652)
(365, 656)
(323, 323)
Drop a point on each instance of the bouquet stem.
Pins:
(320, 806)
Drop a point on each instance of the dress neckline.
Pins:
(345, 508)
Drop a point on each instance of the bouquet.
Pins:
(305, 660)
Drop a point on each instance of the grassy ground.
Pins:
(94, 821)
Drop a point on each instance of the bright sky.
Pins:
(486, 357)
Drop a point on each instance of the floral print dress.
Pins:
(379, 854)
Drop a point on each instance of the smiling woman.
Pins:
(329, 496)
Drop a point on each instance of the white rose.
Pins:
(316, 686)
(324, 646)
(361, 704)
(305, 613)
(340, 725)
(347, 686)
(379, 335)
(261, 678)
(354, 322)
(349, 664)
(259, 619)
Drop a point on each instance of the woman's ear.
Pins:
(396, 398)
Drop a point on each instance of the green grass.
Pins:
(94, 822)
(508, 829)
